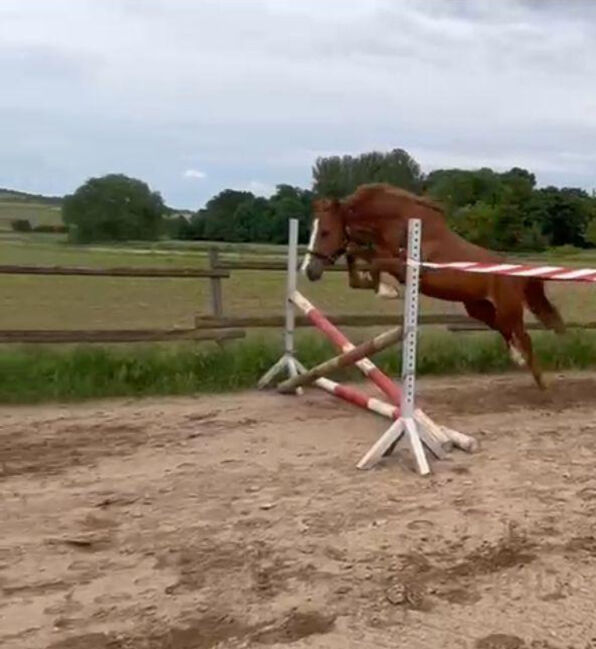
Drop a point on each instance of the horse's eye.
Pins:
(324, 234)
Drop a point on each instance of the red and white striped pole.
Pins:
(355, 397)
(365, 365)
(551, 273)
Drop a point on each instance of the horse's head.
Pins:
(327, 238)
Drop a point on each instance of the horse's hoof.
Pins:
(387, 292)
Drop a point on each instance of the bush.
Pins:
(21, 225)
(113, 208)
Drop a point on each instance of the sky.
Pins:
(194, 96)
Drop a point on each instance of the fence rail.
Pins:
(271, 265)
(215, 326)
(473, 325)
(116, 335)
(341, 320)
(216, 273)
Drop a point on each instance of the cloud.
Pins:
(152, 87)
(195, 173)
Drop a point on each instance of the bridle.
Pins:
(332, 258)
(348, 237)
(329, 259)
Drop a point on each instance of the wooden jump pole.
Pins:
(365, 365)
(350, 357)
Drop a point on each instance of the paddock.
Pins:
(241, 520)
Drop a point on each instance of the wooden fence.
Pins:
(118, 335)
(216, 326)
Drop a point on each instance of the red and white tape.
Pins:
(555, 273)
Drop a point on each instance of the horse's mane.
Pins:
(369, 192)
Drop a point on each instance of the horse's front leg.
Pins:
(395, 266)
(385, 287)
(358, 278)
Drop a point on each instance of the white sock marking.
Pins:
(517, 356)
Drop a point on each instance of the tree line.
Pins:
(498, 210)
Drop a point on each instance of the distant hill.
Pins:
(37, 209)
(16, 196)
(13, 195)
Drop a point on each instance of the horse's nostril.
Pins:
(313, 274)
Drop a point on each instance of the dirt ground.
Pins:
(240, 521)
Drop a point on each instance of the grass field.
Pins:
(69, 372)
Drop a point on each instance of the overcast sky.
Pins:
(197, 95)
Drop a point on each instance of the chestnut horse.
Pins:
(372, 224)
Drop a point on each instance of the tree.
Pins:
(476, 223)
(218, 214)
(453, 188)
(251, 221)
(591, 232)
(456, 188)
(562, 214)
(242, 217)
(113, 208)
(290, 202)
(178, 227)
(339, 176)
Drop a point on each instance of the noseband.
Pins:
(329, 259)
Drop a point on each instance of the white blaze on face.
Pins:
(313, 237)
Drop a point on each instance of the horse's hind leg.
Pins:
(544, 310)
(521, 341)
(511, 326)
(482, 310)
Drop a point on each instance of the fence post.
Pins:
(216, 293)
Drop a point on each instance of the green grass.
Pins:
(34, 374)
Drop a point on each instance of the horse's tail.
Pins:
(542, 307)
